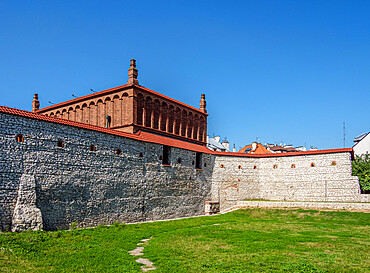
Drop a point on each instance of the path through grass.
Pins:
(253, 240)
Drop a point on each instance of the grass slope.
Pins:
(253, 240)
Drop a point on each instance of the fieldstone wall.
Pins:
(74, 184)
(52, 177)
(319, 177)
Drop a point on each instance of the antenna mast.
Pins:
(344, 134)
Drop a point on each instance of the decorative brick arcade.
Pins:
(131, 108)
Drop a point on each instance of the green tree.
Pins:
(361, 168)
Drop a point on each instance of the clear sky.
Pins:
(273, 70)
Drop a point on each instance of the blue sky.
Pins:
(273, 70)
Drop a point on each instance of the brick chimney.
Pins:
(35, 103)
(203, 104)
(132, 73)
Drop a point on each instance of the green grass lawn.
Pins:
(253, 240)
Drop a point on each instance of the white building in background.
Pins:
(362, 144)
(214, 144)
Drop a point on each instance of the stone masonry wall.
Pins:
(74, 184)
(70, 184)
(319, 177)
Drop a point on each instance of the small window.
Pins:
(160, 157)
(193, 162)
(275, 166)
(118, 151)
(92, 148)
(179, 160)
(222, 166)
(293, 166)
(205, 164)
(334, 163)
(141, 155)
(198, 161)
(166, 155)
(313, 165)
(60, 144)
(254, 167)
(239, 167)
(19, 138)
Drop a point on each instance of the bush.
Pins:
(361, 168)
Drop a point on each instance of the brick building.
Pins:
(132, 108)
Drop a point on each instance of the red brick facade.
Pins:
(131, 108)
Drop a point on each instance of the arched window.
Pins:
(239, 167)
(64, 114)
(116, 111)
(125, 110)
(156, 113)
(254, 167)
(78, 113)
(70, 114)
(222, 166)
(92, 113)
(293, 166)
(313, 165)
(177, 121)
(171, 117)
(148, 112)
(19, 138)
(201, 129)
(140, 106)
(141, 155)
(164, 116)
(179, 160)
(183, 122)
(84, 114)
(190, 125)
(196, 127)
(275, 166)
(100, 113)
(333, 163)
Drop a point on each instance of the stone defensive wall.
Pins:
(315, 176)
(54, 172)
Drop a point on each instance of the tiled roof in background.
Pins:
(260, 149)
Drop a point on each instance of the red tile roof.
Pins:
(111, 90)
(148, 137)
(90, 96)
(171, 99)
(260, 150)
(141, 136)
